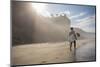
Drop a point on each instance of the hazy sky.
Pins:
(80, 16)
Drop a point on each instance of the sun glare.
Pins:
(39, 7)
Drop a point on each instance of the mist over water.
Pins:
(28, 26)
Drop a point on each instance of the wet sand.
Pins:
(87, 52)
(46, 53)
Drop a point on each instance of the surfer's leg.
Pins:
(70, 46)
(75, 45)
(74, 50)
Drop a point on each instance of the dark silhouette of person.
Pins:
(72, 38)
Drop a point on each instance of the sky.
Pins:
(81, 16)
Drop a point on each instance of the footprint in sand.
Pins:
(43, 62)
(57, 57)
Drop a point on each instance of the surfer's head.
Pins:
(71, 28)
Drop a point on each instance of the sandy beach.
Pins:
(51, 53)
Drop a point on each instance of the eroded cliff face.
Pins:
(30, 27)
